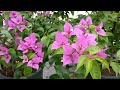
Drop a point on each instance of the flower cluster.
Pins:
(72, 51)
(4, 54)
(30, 45)
(44, 13)
(16, 21)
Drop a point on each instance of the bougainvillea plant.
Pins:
(79, 46)
(24, 40)
(76, 49)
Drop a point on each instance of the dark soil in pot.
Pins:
(8, 73)
(109, 75)
(106, 74)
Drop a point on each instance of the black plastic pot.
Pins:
(39, 73)
(105, 77)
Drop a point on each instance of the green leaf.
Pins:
(93, 49)
(62, 72)
(49, 49)
(75, 39)
(5, 64)
(103, 61)
(52, 35)
(45, 40)
(94, 32)
(37, 35)
(6, 32)
(118, 54)
(27, 71)
(41, 29)
(95, 71)
(1, 20)
(116, 67)
(30, 55)
(109, 34)
(17, 74)
(82, 59)
(92, 26)
(58, 51)
(12, 52)
(55, 76)
(21, 57)
(7, 15)
(88, 67)
(19, 64)
(0, 67)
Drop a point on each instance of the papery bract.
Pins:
(88, 21)
(68, 30)
(10, 24)
(17, 20)
(33, 65)
(25, 58)
(99, 29)
(69, 56)
(21, 27)
(91, 39)
(60, 40)
(13, 14)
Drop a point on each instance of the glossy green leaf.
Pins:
(116, 67)
(82, 59)
(88, 67)
(45, 40)
(118, 54)
(93, 49)
(19, 64)
(103, 61)
(55, 76)
(12, 52)
(58, 51)
(30, 55)
(95, 71)
(7, 34)
(27, 71)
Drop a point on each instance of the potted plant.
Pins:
(79, 47)
(24, 40)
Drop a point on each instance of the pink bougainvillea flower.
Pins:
(80, 45)
(3, 50)
(23, 47)
(68, 30)
(99, 29)
(7, 58)
(82, 25)
(10, 24)
(69, 56)
(31, 39)
(21, 27)
(13, 14)
(88, 21)
(17, 38)
(32, 64)
(102, 53)
(91, 39)
(17, 20)
(39, 57)
(25, 58)
(37, 47)
(47, 13)
(78, 32)
(60, 40)
(24, 22)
